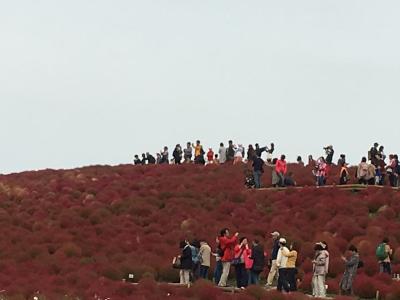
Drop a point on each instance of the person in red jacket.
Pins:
(226, 245)
(210, 156)
(281, 169)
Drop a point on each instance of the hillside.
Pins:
(80, 232)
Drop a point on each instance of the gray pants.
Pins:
(226, 266)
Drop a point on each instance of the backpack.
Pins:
(381, 253)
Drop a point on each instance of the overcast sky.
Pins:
(95, 82)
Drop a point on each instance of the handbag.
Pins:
(176, 262)
(238, 260)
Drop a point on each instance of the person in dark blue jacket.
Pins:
(186, 263)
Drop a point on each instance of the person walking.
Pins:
(320, 270)
(383, 254)
(351, 266)
(258, 170)
(281, 169)
(274, 255)
(281, 263)
(227, 245)
(258, 258)
(195, 248)
(218, 263)
(222, 153)
(186, 263)
(205, 259)
(329, 154)
(198, 153)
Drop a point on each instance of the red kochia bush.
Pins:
(87, 229)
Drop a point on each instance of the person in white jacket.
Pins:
(281, 262)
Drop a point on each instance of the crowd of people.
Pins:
(374, 169)
(250, 260)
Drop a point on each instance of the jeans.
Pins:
(241, 276)
(226, 266)
(281, 179)
(282, 280)
(204, 272)
(385, 267)
(254, 277)
(320, 180)
(257, 178)
(218, 272)
(195, 271)
(291, 278)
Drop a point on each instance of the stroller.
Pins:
(249, 180)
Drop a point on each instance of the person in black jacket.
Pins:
(177, 154)
(258, 257)
(137, 160)
(150, 159)
(258, 170)
(186, 263)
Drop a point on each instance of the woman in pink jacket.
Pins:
(242, 262)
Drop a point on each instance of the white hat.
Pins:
(275, 233)
(282, 241)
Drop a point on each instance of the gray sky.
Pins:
(94, 82)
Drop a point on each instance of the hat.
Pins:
(275, 233)
(282, 241)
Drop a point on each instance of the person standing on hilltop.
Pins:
(187, 153)
(164, 156)
(150, 159)
(321, 171)
(259, 150)
(227, 245)
(222, 153)
(251, 153)
(198, 153)
(177, 154)
(344, 174)
(137, 160)
(329, 154)
(239, 153)
(270, 152)
(258, 170)
(210, 156)
(373, 154)
(363, 171)
(281, 170)
(230, 152)
(300, 161)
